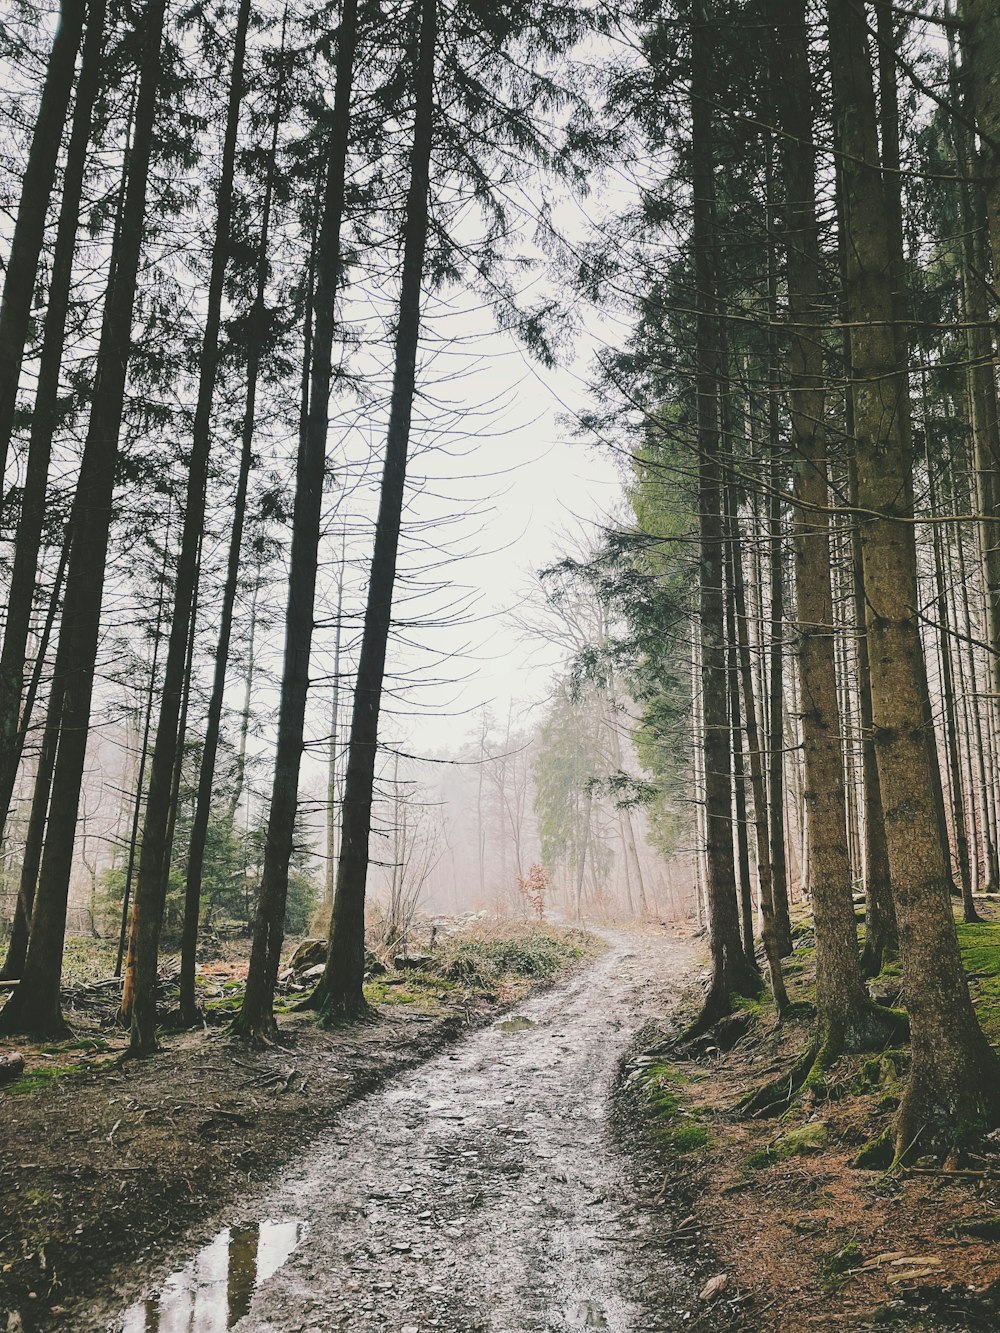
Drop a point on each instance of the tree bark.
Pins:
(847, 1018)
(255, 1020)
(731, 972)
(953, 1085)
(31, 853)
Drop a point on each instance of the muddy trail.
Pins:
(490, 1189)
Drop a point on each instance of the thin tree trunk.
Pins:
(776, 710)
(31, 854)
(29, 227)
(988, 844)
(256, 1017)
(333, 752)
(133, 841)
(755, 749)
(154, 855)
(239, 781)
(731, 974)
(976, 297)
(948, 705)
(34, 1008)
(954, 1073)
(881, 935)
(736, 729)
(213, 723)
(340, 990)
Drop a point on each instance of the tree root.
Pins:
(342, 1010)
(876, 1029)
(719, 1002)
(256, 1032)
(779, 1094)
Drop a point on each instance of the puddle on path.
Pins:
(214, 1290)
(517, 1024)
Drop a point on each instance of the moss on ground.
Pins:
(808, 1138)
(39, 1078)
(675, 1123)
(836, 1268)
(980, 945)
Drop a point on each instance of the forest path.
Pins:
(485, 1190)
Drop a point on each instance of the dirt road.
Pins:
(483, 1191)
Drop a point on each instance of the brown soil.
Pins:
(102, 1161)
(812, 1241)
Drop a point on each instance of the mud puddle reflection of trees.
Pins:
(484, 1190)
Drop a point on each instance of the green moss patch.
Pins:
(674, 1122)
(38, 1078)
(837, 1267)
(980, 945)
(798, 1142)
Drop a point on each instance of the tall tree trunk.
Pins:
(27, 543)
(892, 200)
(256, 1017)
(776, 710)
(736, 729)
(340, 989)
(948, 695)
(29, 227)
(34, 1008)
(755, 749)
(239, 781)
(881, 933)
(333, 750)
(847, 1017)
(213, 723)
(978, 751)
(154, 856)
(954, 1073)
(124, 933)
(731, 973)
(976, 232)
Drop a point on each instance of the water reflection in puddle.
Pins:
(518, 1024)
(212, 1292)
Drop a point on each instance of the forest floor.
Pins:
(817, 1243)
(102, 1160)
